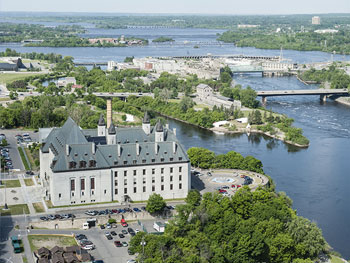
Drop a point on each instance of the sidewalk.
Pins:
(26, 197)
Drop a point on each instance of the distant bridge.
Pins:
(90, 63)
(322, 92)
(122, 95)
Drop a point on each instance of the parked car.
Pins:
(124, 232)
(102, 226)
(113, 233)
(108, 226)
(121, 235)
(125, 244)
(44, 218)
(123, 223)
(222, 191)
(136, 209)
(225, 187)
(118, 244)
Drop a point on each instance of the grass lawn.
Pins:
(49, 241)
(15, 210)
(10, 77)
(29, 182)
(39, 207)
(11, 183)
(24, 160)
(5, 99)
(30, 158)
(335, 259)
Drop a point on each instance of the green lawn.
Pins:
(335, 259)
(10, 77)
(11, 183)
(24, 160)
(39, 207)
(30, 158)
(49, 241)
(15, 210)
(29, 182)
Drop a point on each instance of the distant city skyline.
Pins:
(225, 7)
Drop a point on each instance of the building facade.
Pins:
(316, 20)
(115, 164)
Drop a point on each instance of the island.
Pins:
(163, 39)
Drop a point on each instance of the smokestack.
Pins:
(174, 147)
(93, 149)
(174, 131)
(137, 149)
(119, 150)
(67, 149)
(156, 148)
(109, 112)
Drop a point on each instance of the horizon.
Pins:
(180, 7)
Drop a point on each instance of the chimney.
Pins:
(93, 148)
(67, 149)
(119, 150)
(137, 149)
(174, 147)
(156, 148)
(109, 112)
(174, 131)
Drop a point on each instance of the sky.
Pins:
(181, 6)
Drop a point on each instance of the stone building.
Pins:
(112, 164)
(206, 95)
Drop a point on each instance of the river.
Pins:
(315, 178)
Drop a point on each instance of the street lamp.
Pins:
(5, 205)
(143, 243)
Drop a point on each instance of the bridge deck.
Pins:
(271, 93)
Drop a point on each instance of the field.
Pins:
(11, 183)
(15, 210)
(10, 77)
(49, 241)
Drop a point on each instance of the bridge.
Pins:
(122, 95)
(90, 63)
(322, 92)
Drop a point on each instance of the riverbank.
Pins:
(343, 100)
(278, 136)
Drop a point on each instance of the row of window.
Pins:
(144, 189)
(134, 172)
(82, 164)
(144, 180)
(82, 184)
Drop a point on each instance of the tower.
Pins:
(159, 134)
(101, 128)
(146, 125)
(112, 135)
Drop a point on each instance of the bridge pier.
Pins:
(263, 100)
(323, 98)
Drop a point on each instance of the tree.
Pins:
(193, 198)
(155, 204)
(186, 103)
(13, 95)
(248, 98)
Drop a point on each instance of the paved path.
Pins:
(27, 198)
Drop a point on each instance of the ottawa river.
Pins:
(317, 178)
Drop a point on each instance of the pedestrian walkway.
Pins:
(25, 194)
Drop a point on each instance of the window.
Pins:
(180, 186)
(162, 179)
(153, 160)
(125, 162)
(134, 172)
(125, 173)
(171, 159)
(82, 164)
(180, 169)
(162, 159)
(92, 192)
(125, 190)
(72, 165)
(92, 163)
(171, 178)
(162, 187)
(180, 158)
(82, 184)
(125, 181)
(161, 170)
(115, 174)
(82, 193)
(144, 189)
(92, 183)
(116, 183)
(59, 196)
(153, 180)
(171, 169)
(180, 177)
(134, 180)
(144, 172)
(72, 193)
(153, 188)
(153, 171)
(143, 160)
(171, 187)
(134, 161)
(72, 185)
(115, 191)
(105, 191)
(134, 190)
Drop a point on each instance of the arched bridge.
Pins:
(322, 92)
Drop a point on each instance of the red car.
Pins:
(222, 191)
(123, 222)
(118, 244)
(238, 186)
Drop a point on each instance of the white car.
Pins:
(136, 230)
(131, 261)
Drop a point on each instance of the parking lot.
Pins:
(12, 150)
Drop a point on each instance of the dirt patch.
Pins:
(49, 241)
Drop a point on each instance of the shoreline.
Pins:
(239, 131)
(343, 100)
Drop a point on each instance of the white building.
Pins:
(206, 95)
(66, 81)
(115, 164)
